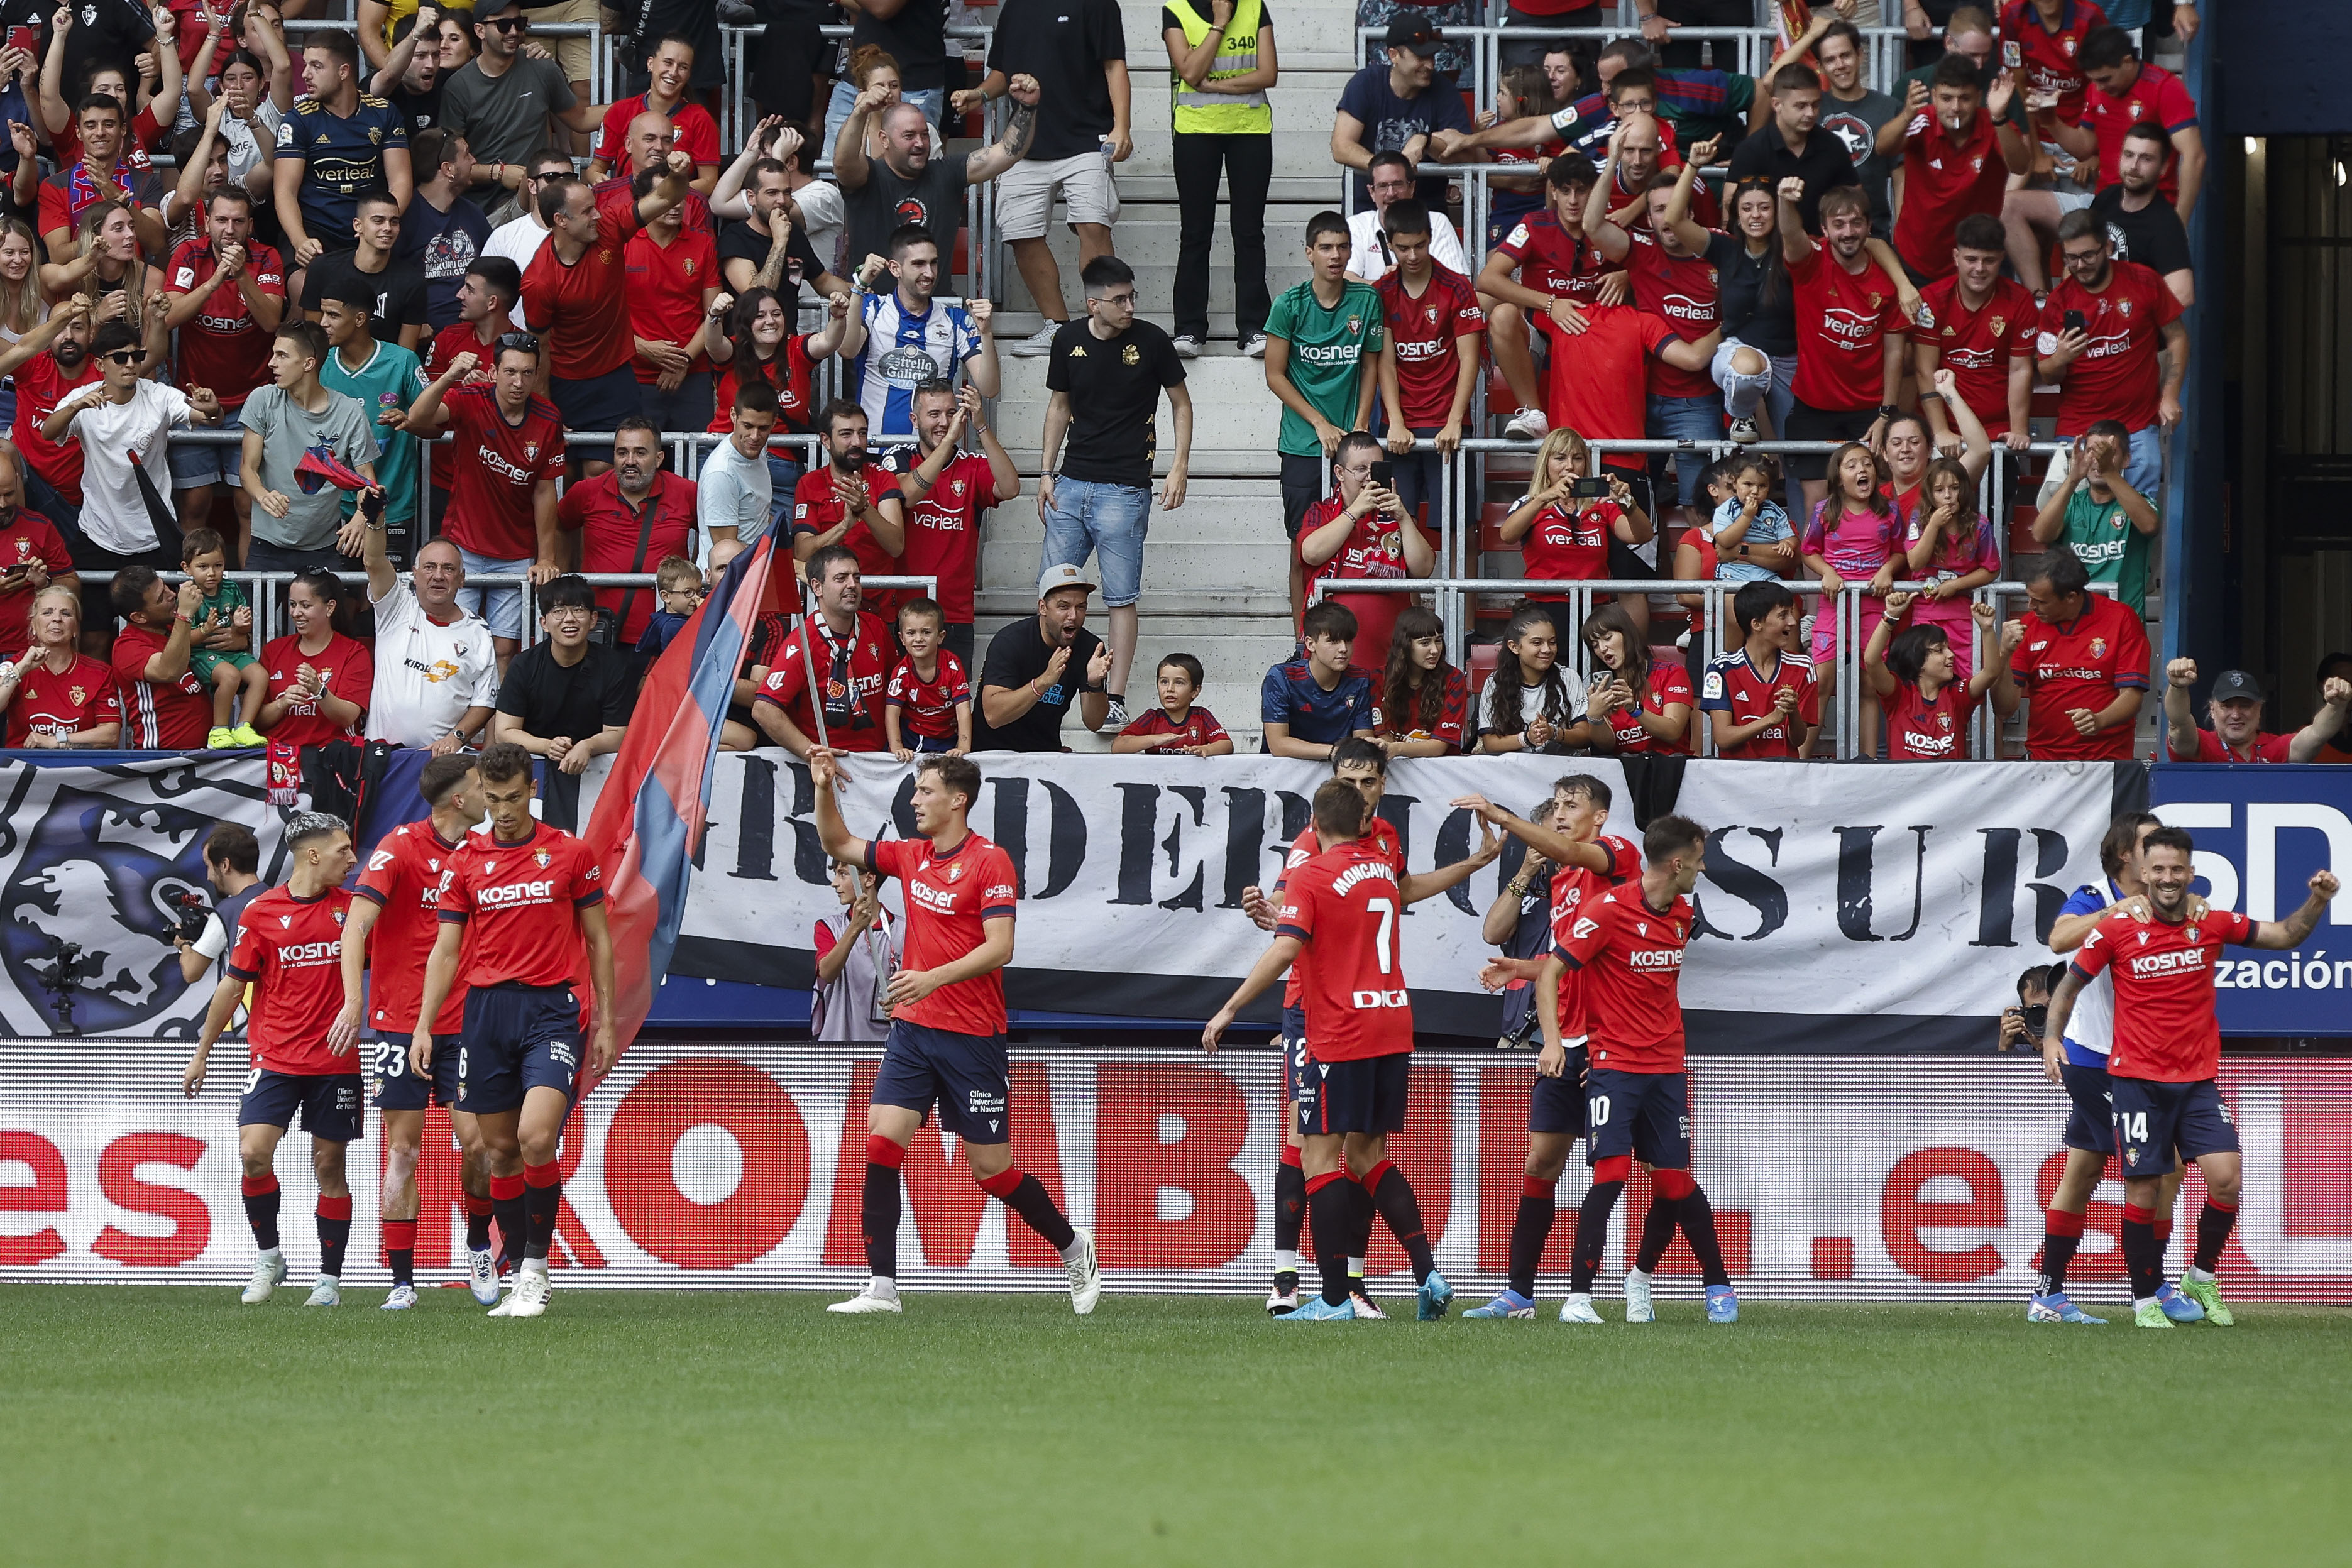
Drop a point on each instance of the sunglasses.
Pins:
(508, 23)
(122, 356)
(523, 341)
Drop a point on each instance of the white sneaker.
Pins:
(482, 1275)
(1578, 1309)
(327, 1293)
(268, 1273)
(1254, 346)
(1744, 433)
(1040, 341)
(530, 1298)
(1086, 1279)
(1527, 424)
(868, 1300)
(402, 1297)
(1187, 346)
(1638, 1308)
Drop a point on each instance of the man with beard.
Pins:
(1851, 330)
(912, 337)
(50, 363)
(855, 651)
(1957, 154)
(850, 500)
(1037, 670)
(906, 184)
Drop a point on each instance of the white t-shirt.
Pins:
(518, 241)
(1368, 263)
(113, 436)
(245, 153)
(733, 491)
(1531, 703)
(427, 675)
(824, 218)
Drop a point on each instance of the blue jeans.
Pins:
(930, 100)
(2145, 472)
(1686, 419)
(783, 478)
(1107, 521)
(501, 607)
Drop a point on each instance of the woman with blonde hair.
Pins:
(1564, 525)
(56, 695)
(22, 307)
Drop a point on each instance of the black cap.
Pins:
(2236, 686)
(1413, 30)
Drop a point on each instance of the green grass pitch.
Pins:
(174, 1425)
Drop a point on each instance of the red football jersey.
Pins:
(25, 538)
(459, 338)
(1453, 714)
(1843, 322)
(696, 134)
(2082, 664)
(223, 348)
(1595, 383)
(2265, 747)
(82, 698)
(943, 527)
(666, 285)
(583, 310)
(499, 466)
(1374, 548)
(1423, 328)
(1681, 290)
(1345, 906)
(1200, 727)
(172, 716)
(403, 880)
(1570, 887)
(616, 537)
(928, 707)
(790, 373)
(853, 710)
(1570, 547)
(520, 903)
(817, 509)
(2118, 376)
(1734, 686)
(2050, 56)
(2156, 95)
(1632, 956)
(40, 387)
(1304, 848)
(349, 670)
(1946, 178)
(1976, 346)
(1553, 261)
(1669, 684)
(290, 950)
(949, 899)
(1918, 730)
(2165, 1025)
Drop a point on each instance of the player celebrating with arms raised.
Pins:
(534, 898)
(289, 949)
(2163, 1071)
(947, 1020)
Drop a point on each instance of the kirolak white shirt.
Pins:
(427, 675)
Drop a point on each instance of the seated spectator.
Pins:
(55, 695)
(222, 655)
(1749, 539)
(321, 682)
(851, 500)
(1568, 528)
(1318, 697)
(1531, 702)
(673, 283)
(2235, 708)
(1760, 700)
(2093, 509)
(1028, 683)
(1178, 726)
(1393, 106)
(678, 584)
(2083, 664)
(487, 300)
(33, 554)
(762, 651)
(164, 707)
(1979, 326)
(233, 865)
(1958, 156)
(1424, 702)
(1854, 535)
(122, 423)
(1519, 923)
(1949, 546)
(566, 698)
(2102, 328)
(1361, 530)
(907, 182)
(436, 670)
(927, 708)
(2141, 225)
(857, 649)
(1630, 703)
(734, 497)
(1436, 334)
(638, 513)
(669, 70)
(757, 341)
(1373, 258)
(296, 529)
(1917, 676)
(1557, 275)
(858, 952)
(1324, 348)
(912, 338)
(946, 489)
(1851, 330)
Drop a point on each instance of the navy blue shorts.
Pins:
(1366, 1096)
(598, 404)
(1556, 1106)
(397, 1087)
(2091, 1124)
(1295, 1082)
(965, 1075)
(2154, 1119)
(330, 1102)
(517, 1038)
(1645, 1115)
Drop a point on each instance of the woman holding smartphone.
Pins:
(1564, 524)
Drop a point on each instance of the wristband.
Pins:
(1888, 410)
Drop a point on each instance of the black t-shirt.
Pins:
(916, 37)
(105, 31)
(550, 701)
(933, 198)
(398, 292)
(1767, 325)
(1018, 656)
(1824, 163)
(1114, 389)
(1062, 44)
(419, 112)
(739, 241)
(2152, 237)
(696, 21)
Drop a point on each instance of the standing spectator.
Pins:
(1038, 669)
(1642, 150)
(768, 250)
(1531, 704)
(857, 651)
(1760, 699)
(1793, 147)
(914, 34)
(1853, 536)
(669, 68)
(945, 487)
(1574, 521)
(1958, 155)
(853, 501)
(48, 364)
(762, 346)
(435, 671)
(31, 552)
(735, 495)
(2102, 326)
(692, 21)
(565, 698)
(1631, 703)
(394, 290)
(1324, 346)
(1436, 336)
(442, 232)
(651, 139)
(102, 175)
(2093, 509)
(1363, 530)
(857, 951)
(1373, 257)
(2083, 664)
(248, 121)
(123, 424)
(1596, 383)
(1395, 107)
(1856, 113)
(500, 100)
(164, 707)
(485, 302)
(320, 681)
(2050, 35)
(1948, 544)
(1424, 702)
(1523, 93)
(575, 295)
(1981, 327)
(1316, 698)
(2124, 93)
(409, 74)
(912, 337)
(109, 35)
(1106, 376)
(334, 146)
(292, 417)
(673, 275)
(227, 297)
(146, 122)
(1852, 333)
(383, 379)
(904, 183)
(506, 449)
(521, 238)
(1221, 67)
(55, 697)
(1076, 50)
(1558, 273)
(630, 519)
(2235, 708)
(2141, 225)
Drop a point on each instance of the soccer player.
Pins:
(1628, 942)
(947, 1020)
(534, 897)
(1590, 864)
(289, 949)
(399, 906)
(2162, 1076)
(1363, 764)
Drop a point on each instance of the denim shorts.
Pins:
(501, 607)
(1109, 521)
(196, 464)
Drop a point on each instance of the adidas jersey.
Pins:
(903, 351)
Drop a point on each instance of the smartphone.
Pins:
(1589, 489)
(1383, 474)
(2075, 321)
(26, 38)
(2012, 54)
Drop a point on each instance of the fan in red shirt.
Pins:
(319, 680)
(629, 521)
(1916, 676)
(1178, 725)
(1850, 326)
(1361, 530)
(946, 1048)
(2235, 706)
(856, 650)
(1760, 700)
(852, 501)
(2124, 93)
(2082, 662)
(1423, 703)
(1563, 528)
(760, 323)
(924, 712)
(1434, 325)
(2162, 1072)
(32, 553)
(55, 695)
(2102, 326)
(944, 489)
(1981, 327)
(51, 363)
(1673, 285)
(1558, 272)
(1958, 155)
(1597, 384)
(1646, 703)
(1629, 942)
(228, 297)
(669, 70)
(505, 452)
(673, 276)
(164, 707)
(2050, 34)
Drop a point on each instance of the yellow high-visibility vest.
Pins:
(1217, 112)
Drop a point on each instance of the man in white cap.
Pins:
(1032, 676)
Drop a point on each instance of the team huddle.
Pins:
(481, 945)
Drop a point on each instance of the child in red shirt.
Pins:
(1927, 702)
(1176, 726)
(928, 687)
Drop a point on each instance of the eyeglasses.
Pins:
(508, 23)
(570, 612)
(122, 356)
(1124, 301)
